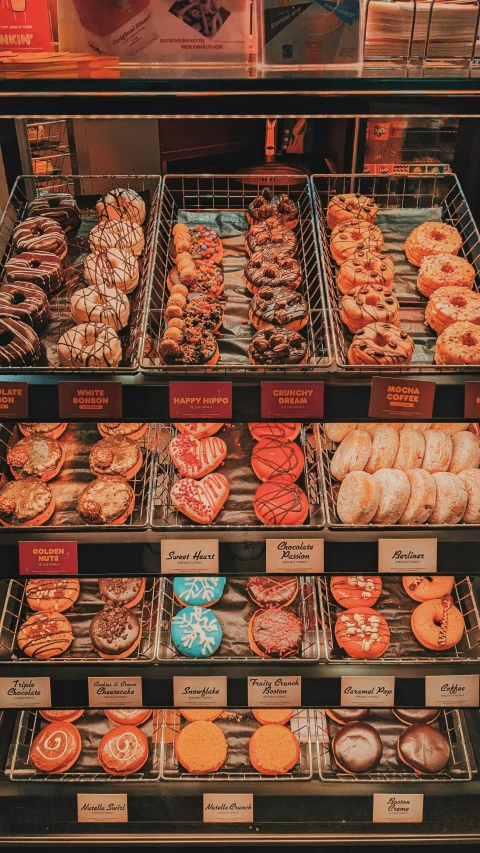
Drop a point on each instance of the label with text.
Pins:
(361, 691)
(48, 558)
(189, 556)
(407, 555)
(397, 808)
(402, 398)
(200, 691)
(227, 808)
(472, 401)
(14, 400)
(102, 808)
(115, 692)
(275, 692)
(294, 400)
(89, 399)
(196, 400)
(452, 691)
(25, 692)
(294, 555)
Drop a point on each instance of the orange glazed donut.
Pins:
(381, 343)
(370, 303)
(425, 587)
(471, 480)
(432, 238)
(423, 494)
(384, 448)
(438, 451)
(438, 624)
(364, 267)
(394, 489)
(452, 305)
(352, 454)
(451, 500)
(466, 452)
(344, 208)
(349, 237)
(362, 633)
(358, 498)
(444, 270)
(458, 344)
(411, 449)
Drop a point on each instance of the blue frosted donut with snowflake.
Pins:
(196, 632)
(198, 591)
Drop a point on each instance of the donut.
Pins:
(90, 345)
(394, 487)
(416, 715)
(191, 345)
(347, 715)
(425, 587)
(358, 498)
(443, 270)
(381, 343)
(121, 204)
(363, 268)
(106, 500)
(26, 503)
(369, 303)
(192, 715)
(449, 305)
(281, 431)
(196, 276)
(424, 749)
(451, 429)
(61, 716)
(41, 268)
(112, 267)
(198, 591)
(471, 480)
(196, 632)
(270, 240)
(196, 457)
(37, 456)
(123, 750)
(25, 302)
(438, 451)
(432, 238)
(19, 344)
(200, 241)
(45, 635)
(385, 442)
(352, 454)
(362, 633)
(200, 500)
(337, 432)
(357, 748)
(61, 207)
(119, 430)
(411, 450)
(126, 591)
(279, 503)
(272, 591)
(274, 208)
(344, 208)
(55, 748)
(40, 234)
(466, 452)
(117, 234)
(102, 304)
(272, 345)
(348, 237)
(458, 344)
(283, 460)
(273, 749)
(201, 747)
(275, 632)
(451, 499)
(276, 270)
(128, 716)
(265, 716)
(423, 494)
(50, 430)
(198, 430)
(351, 590)
(120, 457)
(115, 631)
(58, 594)
(438, 624)
(278, 306)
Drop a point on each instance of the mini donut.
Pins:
(348, 237)
(362, 632)
(352, 590)
(61, 207)
(369, 303)
(36, 456)
(438, 451)
(458, 344)
(283, 460)
(385, 441)
(438, 624)
(195, 276)
(25, 503)
(200, 241)
(117, 234)
(19, 344)
(466, 452)
(278, 306)
(43, 269)
(123, 750)
(363, 268)
(55, 748)
(277, 270)
(40, 234)
(281, 431)
(115, 267)
(439, 271)
(26, 303)
(358, 498)
(425, 587)
(411, 450)
(90, 345)
(121, 204)
(344, 208)
(58, 594)
(337, 432)
(471, 480)
(394, 487)
(423, 494)
(432, 238)
(381, 343)
(274, 345)
(279, 503)
(275, 208)
(450, 428)
(352, 454)
(270, 240)
(101, 304)
(449, 305)
(451, 499)
(116, 456)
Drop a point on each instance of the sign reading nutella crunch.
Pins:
(401, 398)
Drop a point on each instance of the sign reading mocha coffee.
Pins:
(14, 400)
(87, 399)
(401, 398)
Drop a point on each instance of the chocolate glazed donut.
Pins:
(19, 344)
(40, 234)
(25, 302)
(41, 268)
(279, 270)
(61, 207)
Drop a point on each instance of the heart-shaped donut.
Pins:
(195, 457)
(200, 500)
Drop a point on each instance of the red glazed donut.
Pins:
(362, 633)
(351, 590)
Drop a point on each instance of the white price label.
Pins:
(397, 808)
(189, 556)
(227, 808)
(452, 691)
(294, 555)
(359, 691)
(102, 808)
(407, 555)
(275, 692)
(199, 691)
(115, 692)
(25, 693)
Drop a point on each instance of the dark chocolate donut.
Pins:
(19, 344)
(424, 749)
(278, 208)
(357, 748)
(278, 306)
(38, 233)
(41, 268)
(121, 590)
(25, 302)
(416, 715)
(278, 270)
(275, 632)
(272, 345)
(61, 207)
(115, 630)
(342, 716)
(271, 239)
(272, 591)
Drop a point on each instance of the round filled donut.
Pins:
(394, 487)
(466, 452)
(121, 204)
(364, 268)
(458, 344)
(423, 494)
(40, 234)
(348, 206)
(438, 624)
(112, 267)
(55, 748)
(349, 237)
(438, 451)
(352, 454)
(439, 271)
(44, 269)
(26, 303)
(101, 304)
(277, 270)
(449, 305)
(195, 276)
(358, 498)
(279, 503)
(351, 590)
(369, 303)
(278, 306)
(275, 208)
(270, 240)
(385, 441)
(381, 343)
(425, 587)
(451, 499)
(19, 344)
(123, 750)
(471, 480)
(362, 633)
(432, 238)
(283, 460)
(90, 345)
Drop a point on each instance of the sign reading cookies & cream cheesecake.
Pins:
(14, 400)
(200, 691)
(48, 558)
(115, 692)
(275, 691)
(102, 808)
(397, 808)
(189, 556)
(294, 555)
(25, 692)
(227, 808)
(294, 400)
(407, 555)
(358, 691)
(449, 691)
(195, 400)
(89, 399)
(401, 398)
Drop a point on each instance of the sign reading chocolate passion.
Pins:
(195, 400)
(87, 399)
(48, 558)
(14, 400)
(293, 400)
(402, 398)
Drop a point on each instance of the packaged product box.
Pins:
(25, 25)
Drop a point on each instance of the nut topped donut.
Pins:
(432, 238)
(118, 456)
(121, 204)
(41, 268)
(272, 345)
(90, 345)
(25, 302)
(350, 590)
(349, 237)
(270, 240)
(37, 456)
(115, 267)
(444, 271)
(195, 275)
(61, 207)
(117, 234)
(348, 206)
(278, 208)
(449, 305)
(278, 306)
(278, 270)
(369, 303)
(200, 241)
(381, 343)
(40, 234)
(365, 267)
(362, 633)
(458, 344)
(19, 344)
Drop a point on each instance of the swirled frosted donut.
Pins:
(348, 237)
(90, 345)
(348, 206)
(121, 204)
(113, 267)
(117, 234)
(364, 267)
(370, 303)
(40, 234)
(432, 238)
(444, 271)
(458, 344)
(102, 304)
(381, 343)
(449, 305)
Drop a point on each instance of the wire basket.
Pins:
(16, 611)
(404, 203)
(213, 199)
(87, 189)
(237, 726)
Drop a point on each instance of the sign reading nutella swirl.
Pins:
(48, 558)
(14, 400)
(402, 398)
(300, 400)
(87, 399)
(195, 400)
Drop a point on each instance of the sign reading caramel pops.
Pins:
(48, 558)
(401, 398)
(194, 400)
(89, 399)
(14, 399)
(299, 400)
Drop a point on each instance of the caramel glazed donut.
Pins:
(370, 303)
(90, 345)
(364, 267)
(114, 267)
(277, 271)
(381, 343)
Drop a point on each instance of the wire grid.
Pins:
(224, 193)
(27, 727)
(142, 483)
(302, 724)
(451, 723)
(306, 609)
(26, 188)
(393, 191)
(166, 515)
(16, 611)
(466, 651)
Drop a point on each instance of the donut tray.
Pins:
(238, 510)
(404, 203)
(238, 727)
(87, 189)
(92, 725)
(451, 723)
(234, 611)
(220, 201)
(16, 611)
(397, 608)
(77, 441)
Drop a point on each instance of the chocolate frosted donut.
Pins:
(424, 749)
(41, 268)
(115, 631)
(278, 306)
(416, 715)
(19, 344)
(277, 270)
(271, 591)
(270, 346)
(278, 208)
(357, 748)
(347, 715)
(61, 207)
(381, 343)
(275, 633)
(271, 239)
(25, 302)
(40, 234)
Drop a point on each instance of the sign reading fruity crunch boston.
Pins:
(402, 398)
(293, 400)
(89, 399)
(196, 400)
